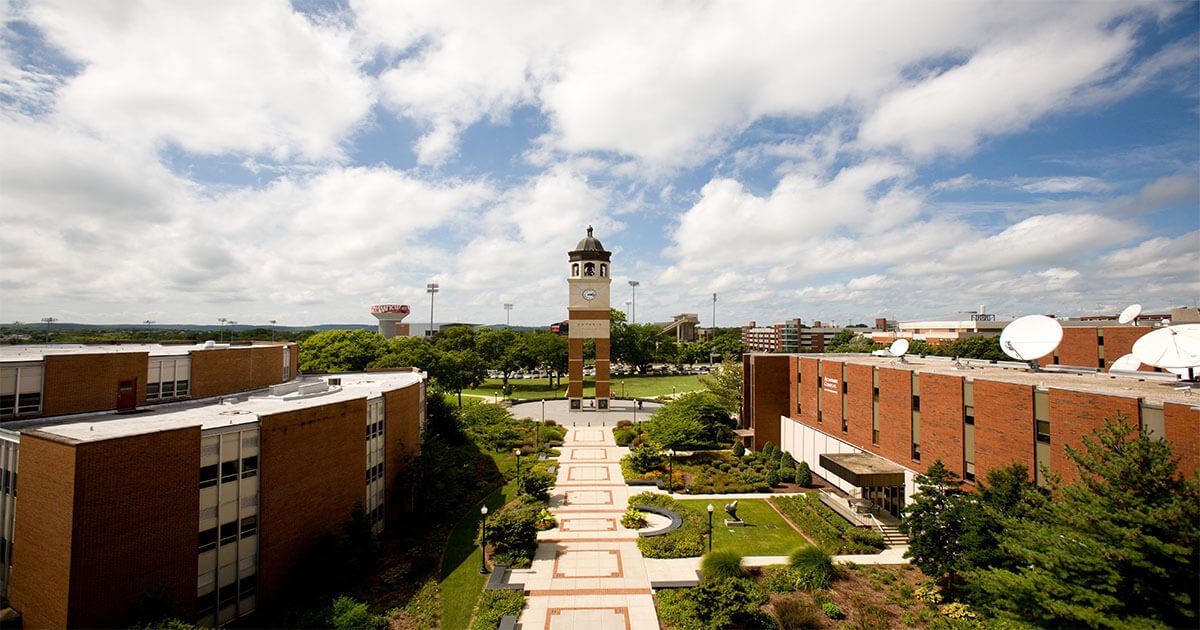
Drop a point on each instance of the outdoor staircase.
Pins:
(892, 536)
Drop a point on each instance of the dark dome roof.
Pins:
(590, 248)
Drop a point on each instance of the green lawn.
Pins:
(461, 581)
(753, 539)
(622, 387)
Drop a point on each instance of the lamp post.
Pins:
(537, 436)
(273, 322)
(633, 285)
(431, 289)
(710, 510)
(672, 391)
(671, 474)
(49, 320)
(517, 452)
(483, 543)
(507, 311)
(714, 324)
(221, 329)
(622, 389)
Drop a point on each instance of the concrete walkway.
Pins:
(587, 573)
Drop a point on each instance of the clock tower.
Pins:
(588, 315)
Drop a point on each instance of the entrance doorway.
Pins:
(890, 499)
(127, 395)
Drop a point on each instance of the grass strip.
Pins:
(764, 534)
(461, 582)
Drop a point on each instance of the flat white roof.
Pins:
(1152, 392)
(35, 352)
(213, 413)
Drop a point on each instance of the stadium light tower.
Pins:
(432, 288)
(507, 312)
(633, 285)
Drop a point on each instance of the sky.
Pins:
(187, 161)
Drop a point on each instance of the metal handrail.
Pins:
(878, 525)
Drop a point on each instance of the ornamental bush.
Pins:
(803, 474)
(645, 458)
(537, 484)
(738, 449)
(633, 519)
(513, 532)
(722, 565)
(813, 565)
(625, 437)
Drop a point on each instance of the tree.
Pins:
(692, 419)
(978, 348)
(461, 337)
(546, 351)
(457, 370)
(504, 351)
(639, 344)
(803, 474)
(1117, 548)
(726, 384)
(340, 351)
(935, 522)
(843, 336)
(416, 352)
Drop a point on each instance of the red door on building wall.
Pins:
(127, 395)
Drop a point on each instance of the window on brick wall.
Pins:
(208, 539)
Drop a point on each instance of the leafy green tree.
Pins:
(843, 336)
(503, 350)
(978, 348)
(461, 337)
(693, 419)
(340, 351)
(803, 474)
(347, 613)
(935, 523)
(1116, 549)
(639, 344)
(726, 384)
(644, 458)
(457, 370)
(416, 352)
(546, 351)
(728, 343)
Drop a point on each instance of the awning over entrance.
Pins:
(864, 470)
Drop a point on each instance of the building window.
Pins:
(249, 526)
(969, 471)
(229, 532)
(916, 403)
(206, 603)
(916, 452)
(575, 269)
(603, 270)
(249, 466)
(229, 471)
(20, 390)
(1043, 431)
(168, 377)
(589, 269)
(208, 476)
(208, 539)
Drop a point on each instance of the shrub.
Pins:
(645, 458)
(771, 477)
(832, 532)
(730, 602)
(496, 604)
(813, 565)
(652, 498)
(513, 532)
(787, 472)
(927, 591)
(786, 461)
(832, 610)
(633, 519)
(956, 610)
(722, 565)
(347, 613)
(625, 437)
(725, 467)
(739, 449)
(768, 449)
(803, 474)
(537, 484)
(793, 612)
(762, 487)
(624, 423)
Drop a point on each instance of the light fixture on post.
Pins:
(710, 511)
(517, 452)
(507, 312)
(633, 285)
(48, 321)
(483, 543)
(273, 322)
(432, 289)
(671, 472)
(714, 321)
(221, 329)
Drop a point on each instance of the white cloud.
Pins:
(1001, 89)
(1162, 256)
(210, 76)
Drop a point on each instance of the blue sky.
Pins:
(186, 161)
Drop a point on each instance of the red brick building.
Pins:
(202, 505)
(973, 417)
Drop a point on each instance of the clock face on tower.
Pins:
(589, 294)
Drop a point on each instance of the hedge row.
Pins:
(832, 532)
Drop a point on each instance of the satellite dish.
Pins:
(1127, 362)
(898, 347)
(1030, 337)
(1130, 314)
(1171, 347)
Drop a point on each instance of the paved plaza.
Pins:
(588, 573)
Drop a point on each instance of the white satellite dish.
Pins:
(1030, 337)
(1130, 314)
(898, 347)
(1171, 347)
(1127, 362)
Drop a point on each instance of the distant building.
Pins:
(203, 500)
(791, 336)
(682, 327)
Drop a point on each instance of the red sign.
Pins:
(390, 308)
